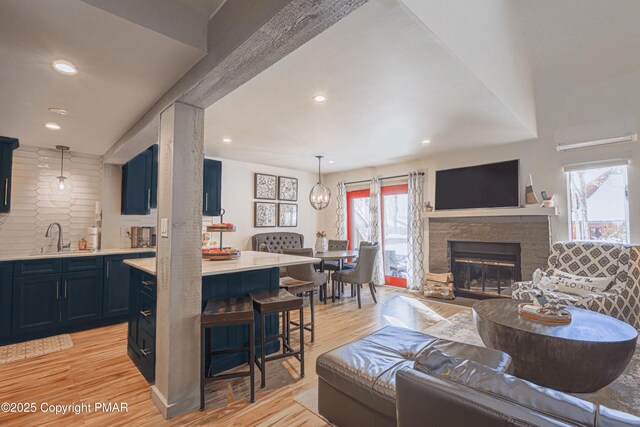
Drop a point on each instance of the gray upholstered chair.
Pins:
(304, 273)
(277, 241)
(363, 273)
(334, 245)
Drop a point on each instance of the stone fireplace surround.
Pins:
(532, 232)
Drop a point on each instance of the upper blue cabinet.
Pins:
(7, 145)
(140, 185)
(212, 188)
(139, 189)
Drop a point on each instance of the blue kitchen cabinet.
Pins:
(115, 299)
(81, 297)
(153, 200)
(6, 285)
(136, 185)
(7, 145)
(36, 303)
(212, 188)
(142, 323)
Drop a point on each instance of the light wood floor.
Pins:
(97, 369)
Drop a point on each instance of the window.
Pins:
(358, 218)
(395, 231)
(599, 204)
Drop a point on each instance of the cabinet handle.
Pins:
(6, 191)
(108, 269)
(145, 351)
(65, 289)
(149, 198)
(206, 202)
(147, 283)
(145, 313)
(57, 290)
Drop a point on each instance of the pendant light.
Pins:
(320, 194)
(62, 179)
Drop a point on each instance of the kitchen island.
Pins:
(253, 271)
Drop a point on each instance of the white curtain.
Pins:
(415, 264)
(341, 223)
(376, 228)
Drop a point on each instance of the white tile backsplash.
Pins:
(36, 200)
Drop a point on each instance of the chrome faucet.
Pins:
(61, 245)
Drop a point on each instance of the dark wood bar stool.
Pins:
(226, 312)
(301, 287)
(276, 302)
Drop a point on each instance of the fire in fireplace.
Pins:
(484, 269)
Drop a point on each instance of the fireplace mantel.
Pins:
(470, 213)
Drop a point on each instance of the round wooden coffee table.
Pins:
(580, 357)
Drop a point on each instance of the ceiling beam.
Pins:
(245, 38)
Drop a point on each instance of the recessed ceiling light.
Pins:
(60, 111)
(52, 126)
(426, 141)
(320, 98)
(331, 161)
(226, 140)
(65, 67)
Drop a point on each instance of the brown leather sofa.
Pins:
(398, 376)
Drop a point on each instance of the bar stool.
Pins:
(301, 287)
(276, 302)
(225, 312)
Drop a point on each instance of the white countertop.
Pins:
(73, 254)
(249, 260)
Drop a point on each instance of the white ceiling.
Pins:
(207, 8)
(392, 81)
(390, 84)
(580, 42)
(123, 69)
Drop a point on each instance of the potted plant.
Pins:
(322, 244)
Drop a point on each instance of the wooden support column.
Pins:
(179, 260)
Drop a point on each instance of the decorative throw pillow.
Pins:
(543, 280)
(578, 285)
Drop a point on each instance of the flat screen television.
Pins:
(494, 185)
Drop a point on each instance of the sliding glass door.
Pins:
(395, 236)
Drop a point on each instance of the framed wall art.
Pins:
(265, 186)
(264, 214)
(287, 189)
(287, 215)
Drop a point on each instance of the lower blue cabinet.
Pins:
(6, 290)
(81, 297)
(40, 298)
(142, 323)
(36, 303)
(116, 286)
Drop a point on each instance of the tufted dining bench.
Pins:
(278, 241)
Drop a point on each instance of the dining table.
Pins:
(334, 255)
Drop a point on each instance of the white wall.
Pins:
(538, 158)
(36, 200)
(237, 200)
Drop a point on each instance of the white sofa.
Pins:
(596, 259)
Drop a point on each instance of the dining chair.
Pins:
(352, 265)
(363, 273)
(334, 265)
(307, 273)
